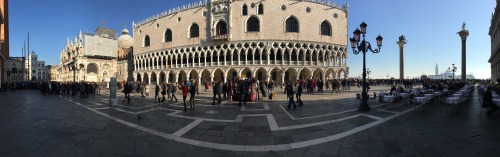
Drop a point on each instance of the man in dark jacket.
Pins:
(289, 92)
(126, 90)
(217, 89)
(242, 88)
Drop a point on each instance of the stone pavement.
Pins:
(327, 125)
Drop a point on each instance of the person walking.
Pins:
(185, 90)
(157, 91)
(263, 89)
(289, 92)
(174, 89)
(126, 90)
(192, 91)
(169, 88)
(299, 94)
(216, 90)
(164, 91)
(143, 88)
(242, 88)
(147, 90)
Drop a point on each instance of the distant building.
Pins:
(125, 68)
(447, 75)
(53, 73)
(495, 44)
(37, 71)
(14, 68)
(91, 57)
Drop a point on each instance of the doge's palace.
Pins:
(279, 40)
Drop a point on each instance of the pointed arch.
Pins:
(221, 28)
(244, 10)
(292, 24)
(146, 41)
(260, 9)
(194, 31)
(168, 36)
(253, 24)
(326, 28)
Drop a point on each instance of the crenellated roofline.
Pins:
(199, 4)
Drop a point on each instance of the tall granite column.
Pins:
(401, 43)
(464, 33)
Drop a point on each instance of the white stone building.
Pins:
(278, 40)
(448, 75)
(36, 70)
(91, 57)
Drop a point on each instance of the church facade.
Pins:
(277, 40)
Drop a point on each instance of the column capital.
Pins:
(463, 34)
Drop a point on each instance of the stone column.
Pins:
(176, 78)
(166, 76)
(401, 43)
(239, 57)
(464, 33)
(199, 60)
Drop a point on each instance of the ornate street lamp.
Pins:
(453, 69)
(363, 47)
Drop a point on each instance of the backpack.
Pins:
(192, 89)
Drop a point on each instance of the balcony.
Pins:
(223, 37)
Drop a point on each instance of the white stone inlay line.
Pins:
(266, 106)
(254, 148)
(317, 123)
(135, 108)
(323, 115)
(95, 103)
(102, 108)
(371, 116)
(384, 110)
(188, 127)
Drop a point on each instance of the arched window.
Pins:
(292, 25)
(253, 24)
(14, 71)
(146, 41)
(194, 31)
(244, 10)
(168, 35)
(260, 9)
(221, 28)
(326, 29)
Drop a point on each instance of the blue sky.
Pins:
(430, 26)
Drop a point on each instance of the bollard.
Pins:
(112, 91)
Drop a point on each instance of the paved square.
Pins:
(327, 125)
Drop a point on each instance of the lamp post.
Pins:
(363, 47)
(453, 69)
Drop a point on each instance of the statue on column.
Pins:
(402, 38)
(463, 26)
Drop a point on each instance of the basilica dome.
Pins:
(125, 40)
